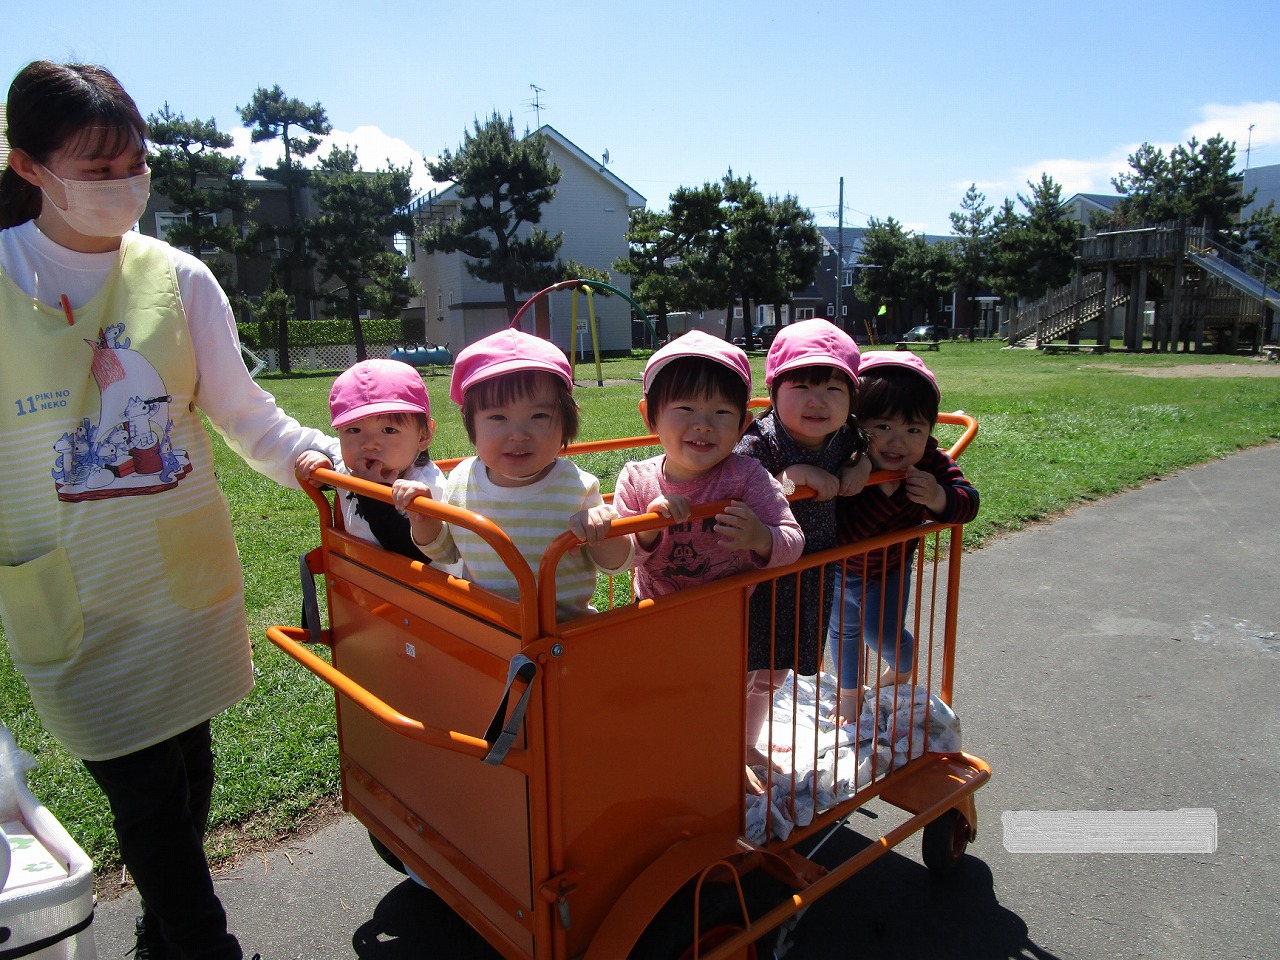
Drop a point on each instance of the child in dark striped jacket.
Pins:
(897, 406)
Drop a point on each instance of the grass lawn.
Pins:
(1053, 432)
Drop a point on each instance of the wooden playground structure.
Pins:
(1206, 296)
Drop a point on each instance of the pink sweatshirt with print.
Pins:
(688, 554)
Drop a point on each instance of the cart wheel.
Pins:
(668, 936)
(389, 858)
(944, 843)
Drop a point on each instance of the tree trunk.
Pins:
(353, 311)
(509, 298)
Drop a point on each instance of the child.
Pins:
(897, 406)
(695, 399)
(382, 415)
(806, 438)
(516, 394)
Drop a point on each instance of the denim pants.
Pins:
(159, 800)
(870, 613)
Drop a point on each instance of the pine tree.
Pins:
(507, 181)
(272, 115)
(359, 213)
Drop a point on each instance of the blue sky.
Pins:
(909, 102)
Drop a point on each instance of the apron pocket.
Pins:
(40, 609)
(200, 558)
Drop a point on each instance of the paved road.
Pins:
(1125, 657)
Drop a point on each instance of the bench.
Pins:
(1272, 352)
(916, 345)
(1072, 347)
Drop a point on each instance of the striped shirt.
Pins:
(531, 516)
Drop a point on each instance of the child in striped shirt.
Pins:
(517, 403)
(897, 406)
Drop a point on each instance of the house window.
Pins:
(166, 221)
(846, 278)
(804, 313)
(831, 309)
(737, 313)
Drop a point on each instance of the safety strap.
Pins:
(310, 605)
(36, 946)
(503, 736)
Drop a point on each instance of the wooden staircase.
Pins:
(1060, 311)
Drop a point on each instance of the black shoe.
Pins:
(147, 945)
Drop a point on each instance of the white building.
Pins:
(591, 209)
(1266, 180)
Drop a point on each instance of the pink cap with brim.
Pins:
(695, 343)
(507, 351)
(374, 387)
(811, 343)
(895, 359)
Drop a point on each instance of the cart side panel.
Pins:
(645, 725)
(388, 638)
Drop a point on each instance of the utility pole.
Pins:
(840, 260)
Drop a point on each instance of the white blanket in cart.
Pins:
(897, 724)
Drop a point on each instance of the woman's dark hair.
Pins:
(52, 105)
(509, 387)
(901, 393)
(695, 378)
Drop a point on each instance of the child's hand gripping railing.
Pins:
(494, 747)
(652, 521)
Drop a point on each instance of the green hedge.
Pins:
(324, 333)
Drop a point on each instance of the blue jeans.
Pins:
(870, 612)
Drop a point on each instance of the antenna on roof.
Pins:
(536, 103)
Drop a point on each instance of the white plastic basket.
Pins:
(53, 919)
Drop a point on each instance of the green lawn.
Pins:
(1054, 431)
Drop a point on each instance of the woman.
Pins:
(121, 592)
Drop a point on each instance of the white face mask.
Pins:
(102, 208)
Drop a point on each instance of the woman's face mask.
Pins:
(102, 208)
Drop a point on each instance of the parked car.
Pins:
(927, 332)
(762, 337)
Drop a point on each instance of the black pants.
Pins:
(160, 802)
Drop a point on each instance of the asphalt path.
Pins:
(1124, 657)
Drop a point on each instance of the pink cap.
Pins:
(695, 343)
(898, 359)
(372, 387)
(506, 351)
(811, 343)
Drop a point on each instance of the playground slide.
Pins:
(1242, 281)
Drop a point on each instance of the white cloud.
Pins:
(373, 148)
(1094, 175)
(1233, 122)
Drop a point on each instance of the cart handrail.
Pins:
(489, 531)
(958, 418)
(547, 617)
(290, 640)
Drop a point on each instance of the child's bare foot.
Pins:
(849, 706)
(756, 758)
(891, 677)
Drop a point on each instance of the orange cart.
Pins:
(575, 789)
